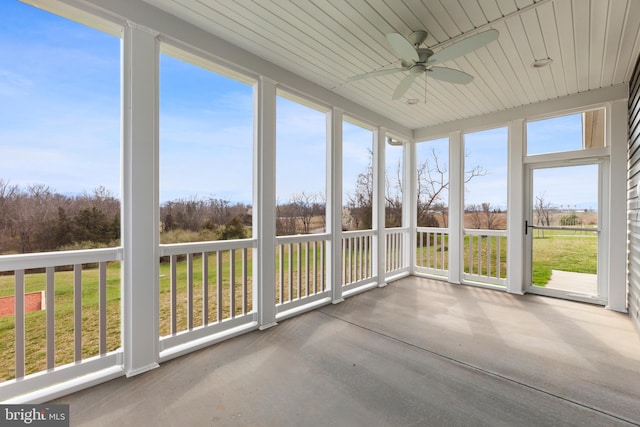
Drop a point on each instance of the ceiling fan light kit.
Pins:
(416, 61)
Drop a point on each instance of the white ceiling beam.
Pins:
(543, 108)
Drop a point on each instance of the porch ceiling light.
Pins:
(539, 63)
(412, 101)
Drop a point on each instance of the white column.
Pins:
(379, 165)
(456, 206)
(515, 208)
(409, 202)
(264, 205)
(334, 203)
(617, 249)
(140, 206)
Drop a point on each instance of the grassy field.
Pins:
(575, 251)
(436, 255)
(35, 323)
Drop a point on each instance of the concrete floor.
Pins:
(570, 281)
(415, 353)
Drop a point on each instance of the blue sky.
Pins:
(60, 124)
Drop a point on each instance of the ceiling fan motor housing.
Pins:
(417, 38)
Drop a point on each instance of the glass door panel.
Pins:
(563, 231)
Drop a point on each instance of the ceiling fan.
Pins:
(417, 61)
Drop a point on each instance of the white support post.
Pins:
(334, 203)
(617, 250)
(409, 203)
(515, 208)
(378, 213)
(264, 206)
(140, 211)
(456, 207)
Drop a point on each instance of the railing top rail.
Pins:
(482, 232)
(396, 229)
(358, 233)
(210, 246)
(564, 228)
(301, 238)
(432, 229)
(54, 259)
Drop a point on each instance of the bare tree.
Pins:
(543, 210)
(491, 215)
(361, 201)
(432, 184)
(393, 197)
(476, 215)
(304, 205)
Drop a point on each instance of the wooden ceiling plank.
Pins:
(490, 9)
(564, 27)
(616, 14)
(628, 50)
(474, 12)
(597, 33)
(507, 6)
(548, 25)
(459, 16)
(523, 58)
(581, 26)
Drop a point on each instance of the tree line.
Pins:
(37, 218)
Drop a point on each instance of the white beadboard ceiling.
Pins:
(593, 44)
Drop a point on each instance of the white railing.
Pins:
(395, 258)
(485, 256)
(78, 328)
(432, 251)
(205, 288)
(357, 256)
(300, 270)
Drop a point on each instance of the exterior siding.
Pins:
(633, 201)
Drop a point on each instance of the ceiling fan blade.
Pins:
(450, 75)
(402, 47)
(404, 86)
(465, 46)
(375, 74)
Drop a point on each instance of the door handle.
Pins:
(527, 227)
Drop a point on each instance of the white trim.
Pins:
(617, 139)
(456, 207)
(334, 203)
(409, 204)
(84, 13)
(379, 205)
(304, 304)
(602, 232)
(46, 385)
(264, 207)
(140, 201)
(189, 341)
(515, 208)
(582, 101)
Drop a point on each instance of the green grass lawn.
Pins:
(575, 251)
(35, 323)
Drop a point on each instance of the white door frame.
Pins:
(603, 222)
